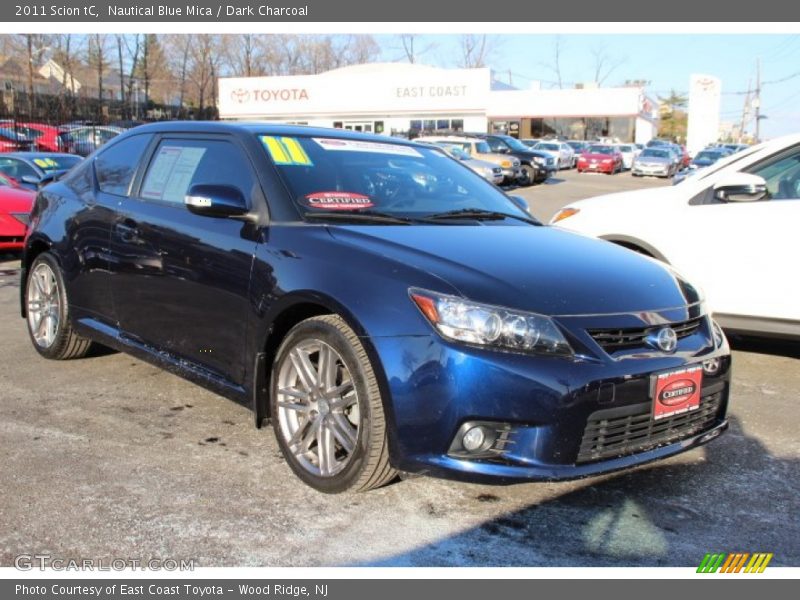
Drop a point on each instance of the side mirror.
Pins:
(30, 180)
(216, 201)
(521, 203)
(740, 187)
(503, 150)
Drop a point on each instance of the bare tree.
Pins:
(132, 45)
(604, 64)
(476, 50)
(179, 48)
(98, 59)
(35, 45)
(555, 65)
(202, 67)
(412, 49)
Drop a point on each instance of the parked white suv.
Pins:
(733, 228)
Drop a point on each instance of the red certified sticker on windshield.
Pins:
(677, 392)
(337, 201)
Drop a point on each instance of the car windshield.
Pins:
(56, 163)
(597, 149)
(626, 149)
(328, 176)
(551, 147)
(654, 153)
(708, 155)
(515, 144)
(456, 151)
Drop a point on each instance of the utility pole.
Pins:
(745, 112)
(757, 101)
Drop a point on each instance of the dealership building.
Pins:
(403, 99)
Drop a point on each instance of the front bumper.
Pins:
(655, 171)
(597, 167)
(551, 409)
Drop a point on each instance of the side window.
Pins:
(179, 164)
(115, 166)
(496, 145)
(782, 176)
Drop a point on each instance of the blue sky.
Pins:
(665, 60)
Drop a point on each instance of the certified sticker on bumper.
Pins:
(676, 392)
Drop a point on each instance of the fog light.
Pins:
(473, 439)
(711, 366)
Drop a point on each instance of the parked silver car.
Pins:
(654, 161)
(489, 171)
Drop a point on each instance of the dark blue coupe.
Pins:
(385, 307)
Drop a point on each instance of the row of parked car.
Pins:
(81, 138)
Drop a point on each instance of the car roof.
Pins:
(32, 155)
(264, 127)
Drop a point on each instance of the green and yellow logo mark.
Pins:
(735, 562)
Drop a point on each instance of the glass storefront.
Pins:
(584, 128)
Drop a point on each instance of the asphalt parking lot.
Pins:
(108, 457)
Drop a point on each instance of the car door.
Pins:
(745, 253)
(101, 186)
(181, 279)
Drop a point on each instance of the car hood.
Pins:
(538, 269)
(597, 156)
(653, 159)
(16, 200)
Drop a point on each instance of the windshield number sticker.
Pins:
(286, 151)
(337, 201)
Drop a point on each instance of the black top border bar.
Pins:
(365, 11)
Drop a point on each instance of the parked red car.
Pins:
(11, 141)
(44, 137)
(686, 160)
(15, 206)
(600, 158)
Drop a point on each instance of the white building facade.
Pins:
(403, 99)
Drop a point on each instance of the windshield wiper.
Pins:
(368, 216)
(479, 214)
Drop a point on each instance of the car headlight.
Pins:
(719, 336)
(506, 164)
(538, 160)
(563, 214)
(461, 320)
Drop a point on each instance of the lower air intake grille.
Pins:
(608, 436)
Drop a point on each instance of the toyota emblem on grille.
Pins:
(667, 339)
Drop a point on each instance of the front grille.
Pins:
(608, 435)
(612, 340)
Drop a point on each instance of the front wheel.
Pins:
(527, 176)
(47, 311)
(326, 408)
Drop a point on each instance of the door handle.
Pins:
(127, 231)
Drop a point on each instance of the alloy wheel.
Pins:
(318, 410)
(43, 305)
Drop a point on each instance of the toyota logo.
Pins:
(240, 95)
(667, 339)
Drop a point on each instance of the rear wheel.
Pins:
(327, 410)
(47, 311)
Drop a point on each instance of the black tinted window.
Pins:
(179, 164)
(116, 165)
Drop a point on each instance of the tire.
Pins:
(307, 414)
(526, 178)
(47, 310)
